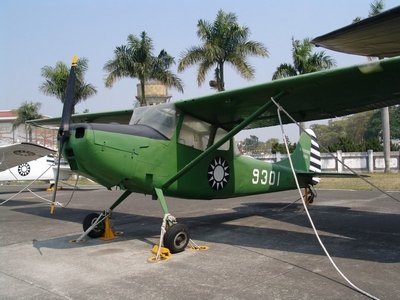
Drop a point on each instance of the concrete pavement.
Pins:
(258, 250)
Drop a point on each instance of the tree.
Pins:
(250, 144)
(281, 147)
(375, 8)
(358, 132)
(224, 41)
(56, 79)
(374, 127)
(136, 60)
(27, 111)
(304, 61)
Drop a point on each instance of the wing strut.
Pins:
(226, 138)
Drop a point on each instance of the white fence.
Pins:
(369, 161)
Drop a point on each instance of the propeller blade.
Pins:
(63, 131)
(69, 102)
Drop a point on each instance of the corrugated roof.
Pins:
(8, 114)
(377, 36)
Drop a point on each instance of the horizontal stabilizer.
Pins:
(330, 174)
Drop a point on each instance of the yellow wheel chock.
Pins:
(165, 254)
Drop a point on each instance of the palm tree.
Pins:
(375, 8)
(304, 61)
(27, 111)
(56, 78)
(224, 41)
(136, 60)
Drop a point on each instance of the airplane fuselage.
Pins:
(139, 158)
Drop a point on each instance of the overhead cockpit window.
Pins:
(161, 118)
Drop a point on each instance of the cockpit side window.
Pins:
(162, 118)
(200, 135)
(194, 133)
(219, 135)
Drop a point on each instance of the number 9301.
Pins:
(265, 177)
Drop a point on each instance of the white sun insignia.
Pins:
(218, 173)
(24, 169)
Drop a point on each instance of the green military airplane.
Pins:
(186, 149)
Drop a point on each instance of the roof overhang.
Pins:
(377, 36)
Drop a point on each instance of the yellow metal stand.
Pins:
(52, 207)
(109, 234)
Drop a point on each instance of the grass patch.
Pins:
(385, 181)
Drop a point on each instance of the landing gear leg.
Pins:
(174, 236)
(97, 225)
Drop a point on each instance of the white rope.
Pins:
(308, 214)
(333, 156)
(167, 219)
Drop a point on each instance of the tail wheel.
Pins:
(310, 198)
(176, 238)
(98, 230)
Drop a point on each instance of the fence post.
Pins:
(340, 159)
(370, 161)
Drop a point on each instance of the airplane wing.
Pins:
(17, 154)
(119, 116)
(314, 96)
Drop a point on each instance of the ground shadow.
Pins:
(346, 232)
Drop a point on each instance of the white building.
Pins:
(10, 134)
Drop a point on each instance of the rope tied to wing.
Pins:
(279, 109)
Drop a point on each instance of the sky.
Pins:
(40, 33)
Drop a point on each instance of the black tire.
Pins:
(97, 231)
(176, 238)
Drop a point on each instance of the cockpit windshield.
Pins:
(161, 118)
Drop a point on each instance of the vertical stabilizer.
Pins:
(315, 156)
(306, 157)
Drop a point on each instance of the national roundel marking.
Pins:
(218, 173)
(24, 169)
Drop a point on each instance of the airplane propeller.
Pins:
(63, 131)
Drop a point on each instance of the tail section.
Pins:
(315, 157)
(306, 158)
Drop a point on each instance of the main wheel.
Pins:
(176, 238)
(98, 230)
